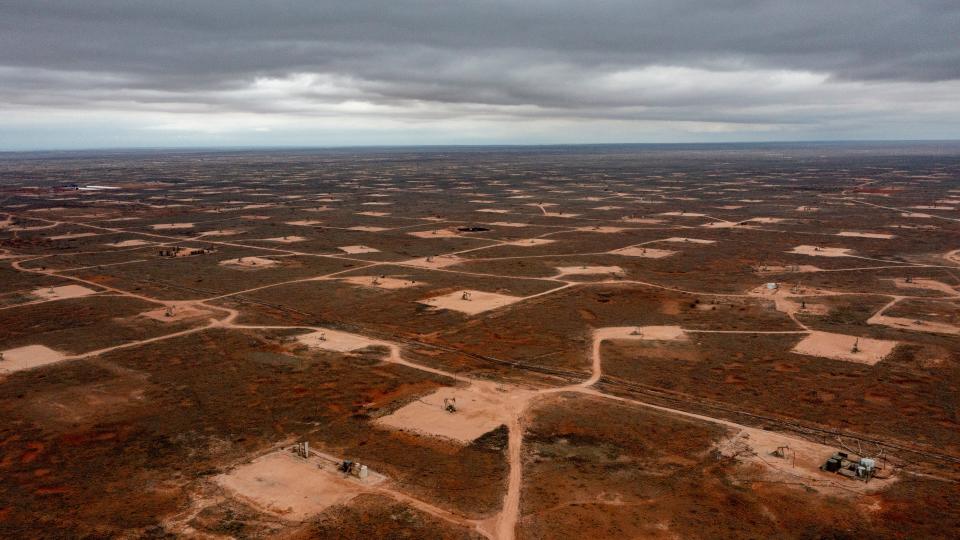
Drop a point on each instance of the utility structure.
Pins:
(856, 346)
(450, 405)
(856, 468)
(782, 451)
(466, 295)
(354, 469)
(302, 449)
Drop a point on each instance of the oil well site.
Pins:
(730, 341)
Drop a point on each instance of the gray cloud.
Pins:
(710, 61)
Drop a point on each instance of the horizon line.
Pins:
(221, 148)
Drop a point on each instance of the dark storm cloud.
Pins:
(600, 59)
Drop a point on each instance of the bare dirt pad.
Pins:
(531, 242)
(865, 235)
(599, 229)
(334, 340)
(840, 347)
(929, 284)
(801, 461)
(364, 228)
(181, 313)
(649, 333)
(249, 263)
(129, 243)
(381, 282)
(28, 357)
(172, 226)
(915, 325)
(285, 239)
(587, 270)
(441, 261)
(682, 239)
(480, 409)
(305, 223)
(821, 251)
(71, 236)
(357, 250)
(637, 251)
(438, 233)
(65, 291)
(472, 302)
(288, 486)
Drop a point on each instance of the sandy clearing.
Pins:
(640, 251)
(785, 303)
(817, 251)
(644, 221)
(685, 240)
(365, 228)
(641, 333)
(730, 207)
(510, 224)
(63, 291)
(480, 409)
(378, 282)
(222, 232)
(774, 269)
(915, 215)
(681, 214)
(169, 226)
(249, 262)
(587, 270)
(436, 233)
(754, 449)
(440, 261)
(374, 214)
(766, 220)
(840, 347)
(28, 357)
(721, 225)
(304, 223)
(129, 243)
(560, 214)
(916, 325)
(289, 486)
(177, 313)
(866, 235)
(924, 283)
(494, 211)
(470, 301)
(606, 208)
(71, 236)
(337, 341)
(600, 229)
(285, 239)
(530, 242)
(357, 250)
(255, 217)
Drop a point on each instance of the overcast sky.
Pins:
(95, 73)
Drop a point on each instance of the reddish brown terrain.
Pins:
(577, 342)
